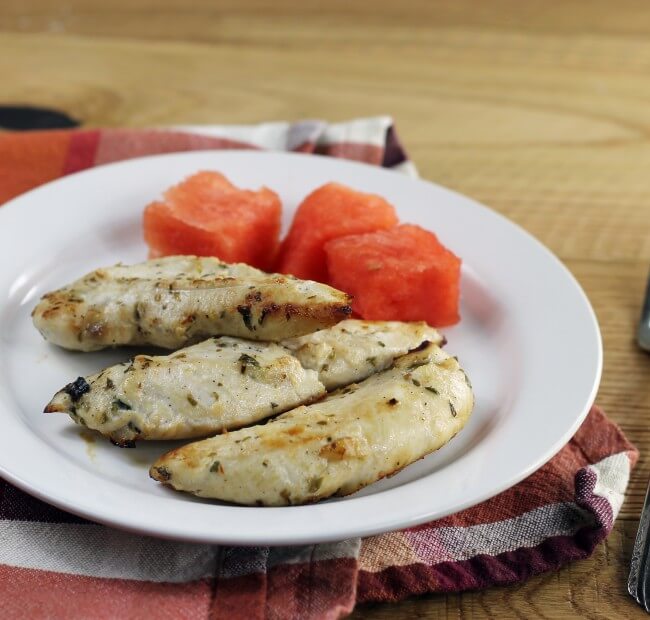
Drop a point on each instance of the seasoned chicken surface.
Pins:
(225, 383)
(222, 383)
(353, 350)
(336, 446)
(179, 300)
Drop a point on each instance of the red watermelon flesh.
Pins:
(401, 274)
(330, 211)
(206, 215)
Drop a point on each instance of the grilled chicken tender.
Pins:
(196, 391)
(179, 300)
(336, 446)
(353, 350)
(219, 384)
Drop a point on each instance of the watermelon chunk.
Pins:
(206, 215)
(401, 274)
(329, 212)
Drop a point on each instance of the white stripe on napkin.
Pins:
(98, 551)
(274, 136)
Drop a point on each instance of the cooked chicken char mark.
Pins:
(179, 300)
(350, 439)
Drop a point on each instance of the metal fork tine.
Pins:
(642, 582)
(643, 586)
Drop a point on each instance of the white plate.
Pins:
(528, 339)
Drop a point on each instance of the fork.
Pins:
(638, 583)
(643, 332)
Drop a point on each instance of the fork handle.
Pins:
(643, 332)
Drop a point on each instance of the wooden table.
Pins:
(540, 109)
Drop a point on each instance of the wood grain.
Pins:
(538, 109)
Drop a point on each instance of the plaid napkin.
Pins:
(56, 565)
